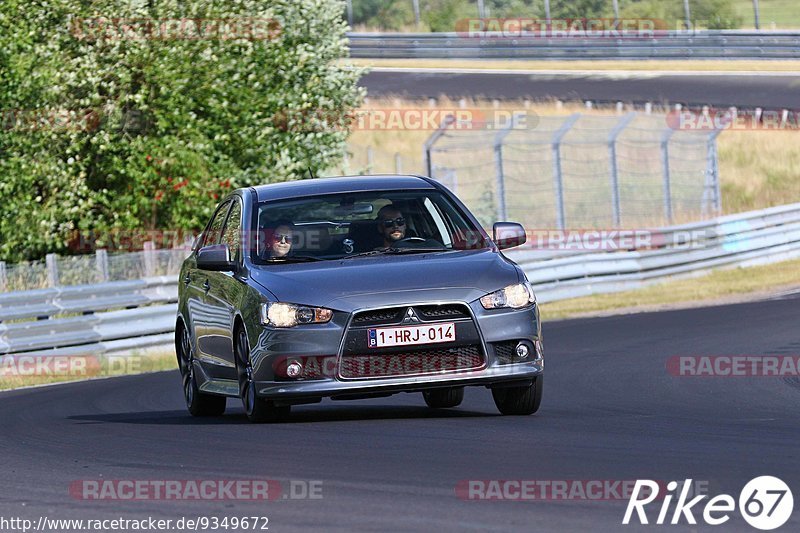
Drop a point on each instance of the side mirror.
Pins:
(509, 234)
(215, 257)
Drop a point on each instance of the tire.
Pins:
(519, 400)
(258, 410)
(198, 403)
(444, 398)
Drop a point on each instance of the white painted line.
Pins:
(621, 74)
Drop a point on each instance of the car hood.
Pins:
(388, 279)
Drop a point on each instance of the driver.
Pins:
(391, 224)
(279, 240)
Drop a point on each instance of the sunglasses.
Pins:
(282, 238)
(389, 222)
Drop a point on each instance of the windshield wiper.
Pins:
(416, 250)
(294, 259)
(366, 254)
(392, 250)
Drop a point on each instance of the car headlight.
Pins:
(283, 315)
(514, 296)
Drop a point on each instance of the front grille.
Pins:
(426, 313)
(379, 316)
(438, 312)
(412, 362)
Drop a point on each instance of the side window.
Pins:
(214, 232)
(232, 236)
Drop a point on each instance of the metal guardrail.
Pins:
(706, 44)
(745, 239)
(79, 319)
(89, 318)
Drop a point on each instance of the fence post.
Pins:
(398, 163)
(3, 276)
(665, 137)
(688, 14)
(101, 264)
(558, 180)
(415, 6)
(757, 14)
(428, 146)
(712, 173)
(502, 213)
(51, 261)
(612, 154)
(350, 13)
(346, 163)
(149, 259)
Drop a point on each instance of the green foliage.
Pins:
(383, 15)
(706, 14)
(580, 9)
(164, 126)
(715, 14)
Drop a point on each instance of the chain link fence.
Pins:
(579, 171)
(100, 267)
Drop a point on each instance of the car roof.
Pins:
(341, 184)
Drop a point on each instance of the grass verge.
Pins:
(18, 371)
(721, 286)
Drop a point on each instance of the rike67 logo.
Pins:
(765, 503)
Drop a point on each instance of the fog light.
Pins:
(294, 369)
(522, 350)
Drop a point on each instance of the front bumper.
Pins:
(491, 329)
(498, 375)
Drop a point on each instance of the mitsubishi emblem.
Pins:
(411, 317)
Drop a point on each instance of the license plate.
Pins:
(410, 335)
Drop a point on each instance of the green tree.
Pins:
(172, 118)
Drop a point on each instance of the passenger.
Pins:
(391, 224)
(279, 240)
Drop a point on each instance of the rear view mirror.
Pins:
(215, 257)
(509, 234)
(353, 209)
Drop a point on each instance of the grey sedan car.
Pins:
(349, 288)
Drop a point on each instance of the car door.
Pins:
(202, 315)
(225, 289)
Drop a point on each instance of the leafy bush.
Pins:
(165, 125)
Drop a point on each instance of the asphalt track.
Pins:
(611, 411)
(748, 90)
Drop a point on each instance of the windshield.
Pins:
(338, 226)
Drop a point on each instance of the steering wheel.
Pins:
(412, 239)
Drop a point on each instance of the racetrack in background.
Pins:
(746, 90)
